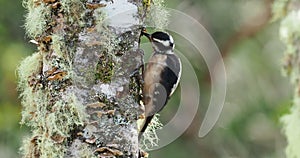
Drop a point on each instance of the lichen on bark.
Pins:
(288, 12)
(81, 90)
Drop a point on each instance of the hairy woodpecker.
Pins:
(161, 75)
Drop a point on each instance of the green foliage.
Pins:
(9, 122)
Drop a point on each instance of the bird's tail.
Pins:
(145, 125)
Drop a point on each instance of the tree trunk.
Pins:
(81, 90)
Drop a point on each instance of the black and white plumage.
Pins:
(161, 75)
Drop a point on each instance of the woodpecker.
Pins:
(161, 75)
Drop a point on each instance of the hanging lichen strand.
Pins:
(288, 11)
(80, 91)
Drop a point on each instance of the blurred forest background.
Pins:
(257, 94)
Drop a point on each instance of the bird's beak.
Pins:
(144, 32)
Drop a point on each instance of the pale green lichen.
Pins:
(158, 15)
(49, 148)
(58, 45)
(292, 129)
(105, 66)
(34, 104)
(36, 18)
(73, 8)
(279, 9)
(290, 35)
(29, 66)
(45, 119)
(60, 122)
(109, 40)
(49, 112)
(150, 138)
(100, 22)
(289, 29)
(28, 147)
(50, 109)
(66, 114)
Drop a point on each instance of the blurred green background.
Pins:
(13, 48)
(257, 94)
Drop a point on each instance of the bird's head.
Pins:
(161, 41)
